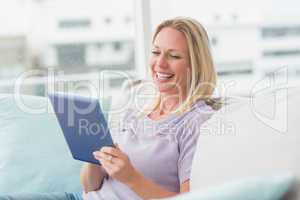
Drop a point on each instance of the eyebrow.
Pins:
(155, 46)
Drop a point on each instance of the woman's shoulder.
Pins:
(190, 122)
(201, 109)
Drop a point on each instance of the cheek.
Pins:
(183, 71)
(151, 64)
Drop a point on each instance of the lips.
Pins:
(163, 76)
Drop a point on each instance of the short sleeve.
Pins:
(188, 142)
(187, 148)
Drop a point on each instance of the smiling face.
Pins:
(169, 62)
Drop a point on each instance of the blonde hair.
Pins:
(203, 75)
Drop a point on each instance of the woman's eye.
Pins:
(175, 56)
(155, 52)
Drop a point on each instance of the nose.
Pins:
(161, 61)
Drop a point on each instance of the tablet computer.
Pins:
(83, 125)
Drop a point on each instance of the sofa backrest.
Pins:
(34, 156)
(255, 136)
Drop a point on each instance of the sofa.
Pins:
(34, 157)
(250, 147)
(253, 157)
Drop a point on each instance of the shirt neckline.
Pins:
(172, 115)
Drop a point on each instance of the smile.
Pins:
(163, 76)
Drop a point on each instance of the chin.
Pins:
(166, 90)
(166, 87)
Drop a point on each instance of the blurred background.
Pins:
(94, 46)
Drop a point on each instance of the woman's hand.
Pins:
(91, 177)
(116, 163)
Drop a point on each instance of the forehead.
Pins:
(170, 38)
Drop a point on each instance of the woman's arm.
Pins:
(185, 186)
(91, 177)
(117, 165)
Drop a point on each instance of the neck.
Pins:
(169, 103)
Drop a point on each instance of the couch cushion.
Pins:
(262, 188)
(258, 138)
(34, 156)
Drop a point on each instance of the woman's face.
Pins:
(169, 62)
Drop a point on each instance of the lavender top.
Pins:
(161, 150)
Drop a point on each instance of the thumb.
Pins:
(117, 146)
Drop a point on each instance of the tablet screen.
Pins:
(83, 125)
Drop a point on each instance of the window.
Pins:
(107, 20)
(237, 67)
(238, 32)
(76, 39)
(275, 32)
(117, 46)
(71, 55)
(281, 53)
(12, 50)
(74, 23)
(127, 19)
(214, 41)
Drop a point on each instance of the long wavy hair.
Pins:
(203, 76)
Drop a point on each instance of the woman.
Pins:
(154, 154)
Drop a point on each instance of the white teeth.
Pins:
(163, 75)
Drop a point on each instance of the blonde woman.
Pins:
(155, 151)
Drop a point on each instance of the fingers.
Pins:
(117, 146)
(107, 157)
(100, 155)
(115, 163)
(112, 167)
(111, 158)
(109, 167)
(111, 150)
